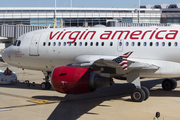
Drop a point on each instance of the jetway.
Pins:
(14, 31)
(9, 33)
(117, 23)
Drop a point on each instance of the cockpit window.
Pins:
(15, 43)
(19, 43)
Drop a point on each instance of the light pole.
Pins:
(54, 23)
(139, 13)
(55, 9)
(71, 2)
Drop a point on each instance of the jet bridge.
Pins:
(9, 33)
(14, 31)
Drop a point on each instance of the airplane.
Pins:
(81, 59)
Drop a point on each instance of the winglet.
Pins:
(122, 60)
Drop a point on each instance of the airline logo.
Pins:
(122, 60)
(110, 35)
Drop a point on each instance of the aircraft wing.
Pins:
(115, 65)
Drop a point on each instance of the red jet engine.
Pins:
(76, 80)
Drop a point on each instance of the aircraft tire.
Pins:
(169, 84)
(49, 85)
(45, 86)
(146, 91)
(174, 83)
(27, 83)
(138, 95)
(33, 84)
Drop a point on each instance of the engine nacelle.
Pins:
(75, 80)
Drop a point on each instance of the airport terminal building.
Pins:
(77, 16)
(72, 17)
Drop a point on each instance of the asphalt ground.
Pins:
(19, 102)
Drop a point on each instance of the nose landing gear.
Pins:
(46, 85)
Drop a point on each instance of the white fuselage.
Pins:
(49, 48)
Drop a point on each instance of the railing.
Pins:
(119, 24)
(14, 31)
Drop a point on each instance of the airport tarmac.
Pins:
(19, 102)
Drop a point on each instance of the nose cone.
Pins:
(4, 55)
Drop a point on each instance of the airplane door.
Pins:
(120, 45)
(33, 50)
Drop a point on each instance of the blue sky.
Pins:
(84, 3)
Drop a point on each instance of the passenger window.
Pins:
(151, 44)
(64, 43)
(86, 43)
(111, 43)
(133, 43)
(54, 44)
(127, 43)
(80, 44)
(91, 43)
(139, 43)
(163, 43)
(59, 43)
(19, 43)
(145, 43)
(69, 43)
(49, 44)
(44, 44)
(15, 43)
(75, 43)
(175, 44)
(97, 43)
(169, 44)
(102, 43)
(120, 43)
(157, 43)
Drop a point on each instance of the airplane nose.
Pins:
(4, 55)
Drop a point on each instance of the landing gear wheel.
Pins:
(146, 91)
(49, 85)
(174, 83)
(45, 86)
(33, 84)
(137, 95)
(169, 84)
(27, 83)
